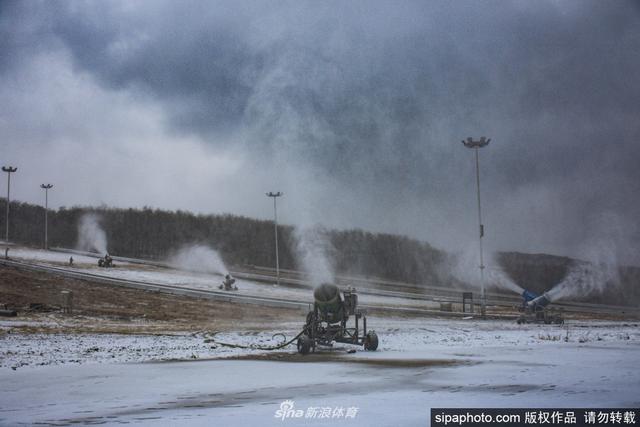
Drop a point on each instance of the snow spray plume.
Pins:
(590, 277)
(315, 253)
(198, 258)
(466, 269)
(498, 278)
(609, 235)
(91, 237)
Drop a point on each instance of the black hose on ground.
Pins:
(257, 347)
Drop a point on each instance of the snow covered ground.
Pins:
(195, 280)
(183, 379)
(50, 257)
(43, 349)
(420, 364)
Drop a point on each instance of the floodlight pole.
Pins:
(476, 145)
(8, 170)
(275, 224)
(46, 188)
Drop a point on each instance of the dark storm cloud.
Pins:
(378, 95)
(186, 55)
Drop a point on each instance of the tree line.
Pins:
(155, 234)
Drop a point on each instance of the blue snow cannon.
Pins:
(535, 309)
(529, 296)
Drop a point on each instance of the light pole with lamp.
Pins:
(275, 222)
(476, 145)
(9, 170)
(46, 188)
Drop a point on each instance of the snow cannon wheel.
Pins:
(371, 341)
(304, 344)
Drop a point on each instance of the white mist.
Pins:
(198, 258)
(91, 236)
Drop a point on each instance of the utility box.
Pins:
(467, 299)
(67, 301)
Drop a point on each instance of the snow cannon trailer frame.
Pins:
(327, 322)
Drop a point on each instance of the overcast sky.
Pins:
(355, 110)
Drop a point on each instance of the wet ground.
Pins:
(492, 364)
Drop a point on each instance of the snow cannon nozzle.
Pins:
(540, 302)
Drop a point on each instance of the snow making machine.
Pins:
(106, 262)
(535, 309)
(327, 322)
(228, 283)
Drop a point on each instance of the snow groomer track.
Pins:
(296, 291)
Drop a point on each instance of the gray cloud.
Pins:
(356, 110)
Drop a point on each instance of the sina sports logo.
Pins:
(287, 410)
